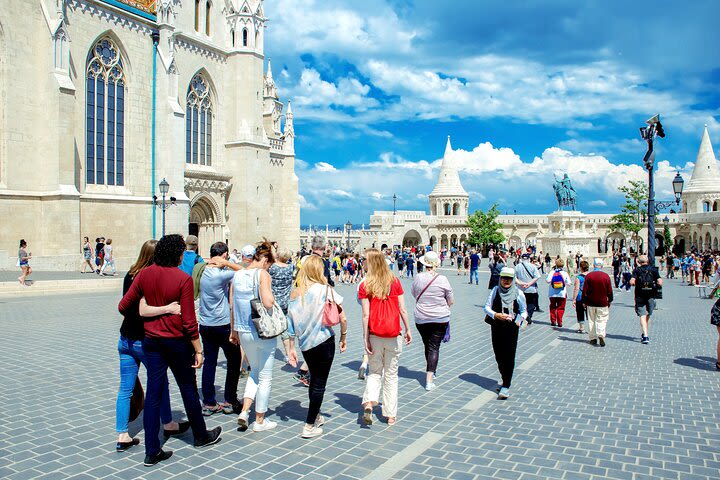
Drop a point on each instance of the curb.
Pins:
(59, 287)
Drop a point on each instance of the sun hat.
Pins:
(248, 251)
(507, 272)
(430, 259)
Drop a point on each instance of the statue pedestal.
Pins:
(567, 233)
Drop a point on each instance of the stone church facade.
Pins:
(100, 100)
(696, 223)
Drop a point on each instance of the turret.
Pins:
(448, 198)
(703, 191)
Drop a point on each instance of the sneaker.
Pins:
(311, 432)
(208, 410)
(645, 340)
(593, 341)
(361, 372)
(243, 420)
(319, 420)
(602, 341)
(529, 322)
(303, 377)
(503, 394)
(159, 457)
(430, 386)
(262, 427)
(498, 388)
(212, 438)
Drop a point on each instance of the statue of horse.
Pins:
(564, 192)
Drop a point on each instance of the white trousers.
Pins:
(384, 363)
(597, 321)
(261, 356)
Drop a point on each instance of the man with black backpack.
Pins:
(647, 282)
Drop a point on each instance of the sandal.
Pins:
(391, 421)
(367, 416)
(208, 410)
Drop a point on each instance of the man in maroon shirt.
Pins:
(171, 341)
(597, 295)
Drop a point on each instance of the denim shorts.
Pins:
(644, 306)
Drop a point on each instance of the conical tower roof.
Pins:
(706, 174)
(448, 184)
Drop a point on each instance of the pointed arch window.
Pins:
(245, 37)
(198, 123)
(105, 115)
(207, 18)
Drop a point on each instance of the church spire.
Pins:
(448, 183)
(705, 175)
(268, 75)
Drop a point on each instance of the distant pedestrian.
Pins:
(506, 310)
(496, 266)
(410, 265)
(190, 256)
(383, 309)
(580, 308)
(108, 258)
(558, 280)
(24, 262)
(474, 266)
(526, 278)
(87, 256)
(646, 280)
(597, 295)
(433, 299)
(570, 264)
(99, 246)
(626, 273)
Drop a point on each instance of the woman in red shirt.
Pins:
(383, 306)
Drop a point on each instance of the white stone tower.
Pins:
(448, 198)
(702, 193)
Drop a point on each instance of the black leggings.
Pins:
(580, 311)
(319, 360)
(432, 334)
(504, 342)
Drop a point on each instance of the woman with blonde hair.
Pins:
(316, 340)
(383, 306)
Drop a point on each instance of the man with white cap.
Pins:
(597, 295)
(246, 255)
(506, 311)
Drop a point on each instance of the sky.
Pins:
(525, 90)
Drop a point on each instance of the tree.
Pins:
(633, 213)
(484, 229)
(668, 238)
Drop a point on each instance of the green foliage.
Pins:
(633, 213)
(668, 237)
(484, 229)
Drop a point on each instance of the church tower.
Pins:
(703, 191)
(448, 198)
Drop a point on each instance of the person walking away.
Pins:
(460, 262)
(410, 265)
(281, 276)
(306, 314)
(626, 271)
(616, 265)
(99, 246)
(474, 266)
(570, 265)
(558, 280)
(580, 308)
(216, 329)
(646, 280)
(254, 282)
(597, 295)
(170, 341)
(506, 311)
(190, 256)
(383, 308)
(526, 277)
(131, 355)
(496, 267)
(433, 299)
(24, 262)
(109, 258)
(87, 256)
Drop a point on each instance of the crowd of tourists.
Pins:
(180, 310)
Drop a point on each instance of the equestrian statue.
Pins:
(564, 192)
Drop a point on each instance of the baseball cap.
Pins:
(191, 240)
(507, 272)
(525, 256)
(598, 262)
(248, 251)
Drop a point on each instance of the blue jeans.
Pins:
(474, 273)
(177, 354)
(131, 354)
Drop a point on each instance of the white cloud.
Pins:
(377, 195)
(598, 203)
(304, 204)
(324, 167)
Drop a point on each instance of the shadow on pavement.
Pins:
(352, 404)
(701, 363)
(623, 337)
(482, 382)
(574, 339)
(404, 372)
(291, 410)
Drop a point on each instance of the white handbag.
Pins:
(269, 322)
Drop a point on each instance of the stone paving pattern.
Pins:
(576, 412)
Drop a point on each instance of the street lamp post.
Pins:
(164, 189)
(348, 226)
(648, 134)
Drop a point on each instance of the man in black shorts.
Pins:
(646, 280)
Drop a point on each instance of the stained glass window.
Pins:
(198, 123)
(104, 115)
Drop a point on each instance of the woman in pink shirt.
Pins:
(433, 299)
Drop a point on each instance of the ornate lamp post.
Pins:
(348, 226)
(164, 189)
(648, 134)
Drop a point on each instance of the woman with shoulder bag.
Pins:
(433, 299)
(312, 312)
(715, 320)
(251, 283)
(383, 307)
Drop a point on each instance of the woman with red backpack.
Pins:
(558, 280)
(383, 307)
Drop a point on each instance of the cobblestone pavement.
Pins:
(12, 275)
(624, 411)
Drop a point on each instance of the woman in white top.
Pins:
(433, 299)
(108, 257)
(260, 352)
(316, 340)
(558, 280)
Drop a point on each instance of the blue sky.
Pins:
(524, 91)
